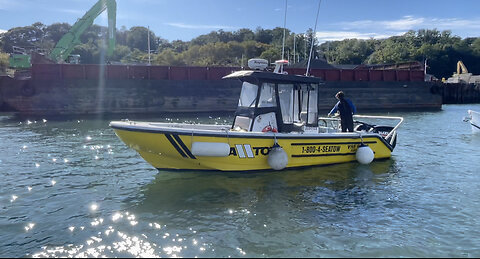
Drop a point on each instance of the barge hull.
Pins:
(113, 89)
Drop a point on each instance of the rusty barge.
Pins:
(53, 89)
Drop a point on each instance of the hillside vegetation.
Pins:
(442, 50)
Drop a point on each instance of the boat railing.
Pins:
(336, 119)
(334, 122)
(400, 121)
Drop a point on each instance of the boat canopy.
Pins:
(275, 102)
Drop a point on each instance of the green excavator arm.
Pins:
(68, 42)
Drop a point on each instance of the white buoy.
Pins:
(277, 158)
(364, 154)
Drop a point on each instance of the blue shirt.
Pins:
(335, 108)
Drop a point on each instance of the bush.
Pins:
(3, 61)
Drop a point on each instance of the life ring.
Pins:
(269, 128)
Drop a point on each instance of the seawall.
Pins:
(460, 93)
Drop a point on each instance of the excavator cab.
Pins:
(73, 59)
(19, 59)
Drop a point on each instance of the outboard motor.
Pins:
(384, 131)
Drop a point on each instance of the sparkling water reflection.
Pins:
(70, 187)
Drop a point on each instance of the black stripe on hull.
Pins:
(474, 125)
(185, 148)
(319, 155)
(174, 144)
(333, 143)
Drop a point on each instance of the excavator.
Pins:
(462, 75)
(64, 47)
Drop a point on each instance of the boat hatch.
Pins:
(276, 102)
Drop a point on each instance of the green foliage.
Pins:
(442, 50)
(56, 31)
(26, 37)
(136, 56)
(120, 52)
(272, 54)
(350, 51)
(168, 57)
(476, 47)
(137, 38)
(3, 62)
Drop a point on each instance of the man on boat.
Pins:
(346, 109)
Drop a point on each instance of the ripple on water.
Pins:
(92, 196)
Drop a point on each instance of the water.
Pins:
(70, 187)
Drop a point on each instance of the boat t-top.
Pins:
(276, 126)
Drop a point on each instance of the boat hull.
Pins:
(475, 121)
(169, 148)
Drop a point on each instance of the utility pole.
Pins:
(148, 37)
(305, 52)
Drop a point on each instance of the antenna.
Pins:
(294, 57)
(284, 28)
(313, 38)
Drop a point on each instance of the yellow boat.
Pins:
(276, 126)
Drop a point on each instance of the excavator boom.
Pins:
(461, 68)
(67, 43)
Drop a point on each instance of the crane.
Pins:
(68, 42)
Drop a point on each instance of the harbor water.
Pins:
(70, 187)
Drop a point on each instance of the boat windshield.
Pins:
(267, 96)
(298, 103)
(248, 95)
(285, 92)
(285, 106)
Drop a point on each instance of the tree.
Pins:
(135, 57)
(476, 47)
(121, 35)
(243, 35)
(137, 38)
(25, 37)
(168, 57)
(120, 52)
(263, 36)
(56, 31)
(272, 54)
(3, 62)
(350, 51)
(179, 46)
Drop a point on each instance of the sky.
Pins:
(187, 19)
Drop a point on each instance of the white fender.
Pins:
(277, 158)
(364, 154)
(210, 149)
